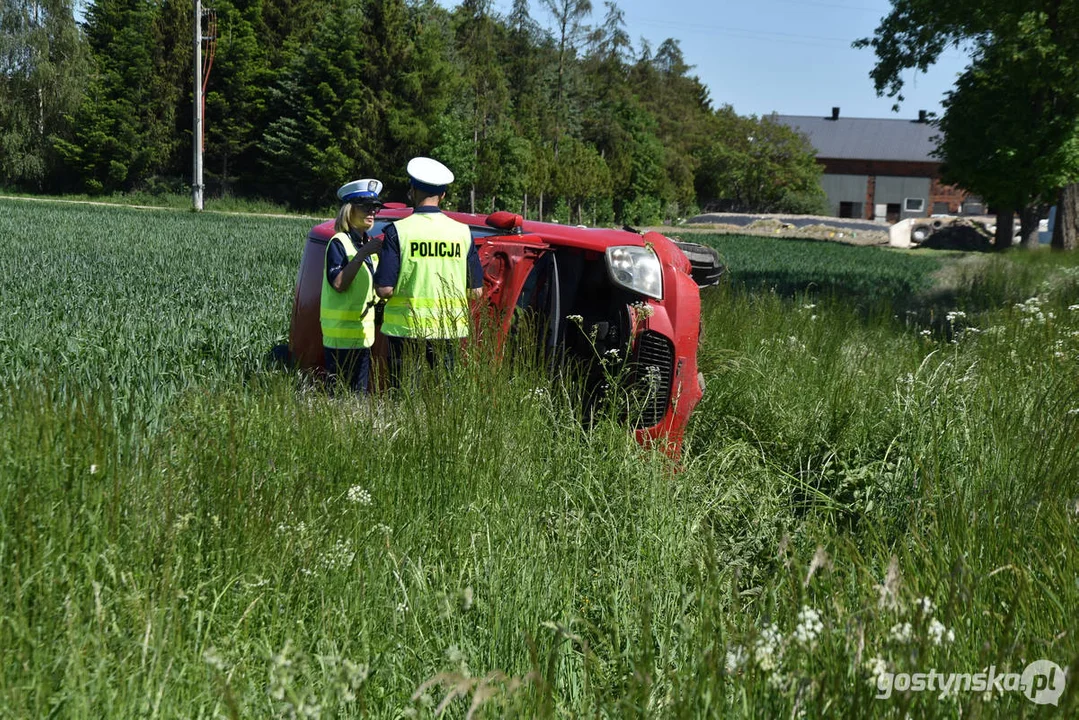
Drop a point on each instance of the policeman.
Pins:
(347, 311)
(429, 269)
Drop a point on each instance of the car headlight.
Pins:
(636, 268)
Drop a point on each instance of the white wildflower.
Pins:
(384, 529)
(901, 632)
(1073, 308)
(282, 672)
(926, 605)
(339, 556)
(778, 681)
(466, 598)
(93, 469)
(351, 677)
(812, 317)
(876, 667)
(358, 496)
(644, 309)
(955, 315)
(213, 658)
(809, 306)
(736, 658)
(402, 607)
(926, 332)
(768, 650)
(940, 634)
(575, 318)
(809, 626)
(1074, 411)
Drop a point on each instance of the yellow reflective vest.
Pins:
(348, 318)
(430, 299)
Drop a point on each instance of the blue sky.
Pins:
(788, 56)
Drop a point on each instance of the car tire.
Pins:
(704, 263)
(920, 233)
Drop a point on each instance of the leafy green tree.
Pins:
(759, 165)
(44, 66)
(539, 175)
(1043, 35)
(1016, 160)
(680, 105)
(581, 175)
(611, 104)
(454, 146)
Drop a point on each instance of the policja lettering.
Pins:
(421, 248)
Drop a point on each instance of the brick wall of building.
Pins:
(938, 193)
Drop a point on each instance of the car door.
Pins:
(507, 262)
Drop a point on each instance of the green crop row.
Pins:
(865, 490)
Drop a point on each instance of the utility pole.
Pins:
(196, 137)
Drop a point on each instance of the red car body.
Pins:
(561, 272)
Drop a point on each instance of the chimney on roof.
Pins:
(835, 113)
(922, 116)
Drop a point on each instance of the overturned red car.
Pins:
(597, 293)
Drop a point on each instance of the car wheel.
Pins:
(706, 268)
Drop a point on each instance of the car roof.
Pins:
(575, 236)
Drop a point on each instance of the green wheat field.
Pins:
(882, 478)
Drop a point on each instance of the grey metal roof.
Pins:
(866, 138)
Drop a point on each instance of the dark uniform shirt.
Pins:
(336, 258)
(389, 262)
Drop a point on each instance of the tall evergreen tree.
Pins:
(237, 95)
(408, 70)
(124, 129)
(479, 38)
(570, 29)
(326, 130)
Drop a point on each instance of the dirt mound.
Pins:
(958, 237)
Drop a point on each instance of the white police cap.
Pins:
(361, 190)
(429, 175)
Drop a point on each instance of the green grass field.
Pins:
(883, 477)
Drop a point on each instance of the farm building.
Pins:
(880, 169)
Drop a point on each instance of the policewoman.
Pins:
(428, 270)
(347, 312)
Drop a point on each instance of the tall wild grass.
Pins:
(188, 532)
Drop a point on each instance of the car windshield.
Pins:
(477, 232)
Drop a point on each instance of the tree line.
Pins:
(1010, 128)
(549, 110)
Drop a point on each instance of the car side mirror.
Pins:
(504, 220)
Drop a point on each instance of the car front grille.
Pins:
(651, 386)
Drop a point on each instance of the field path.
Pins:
(101, 203)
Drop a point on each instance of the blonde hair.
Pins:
(343, 222)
